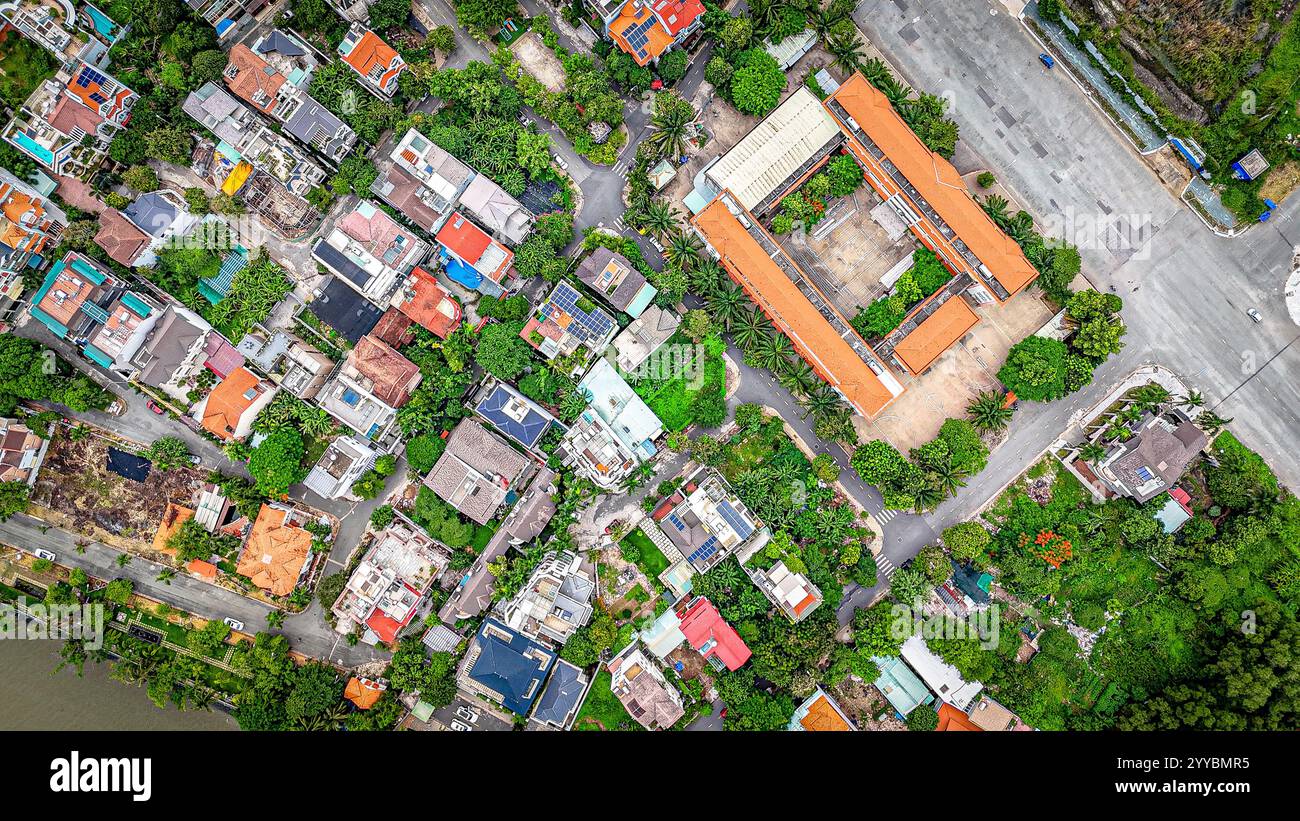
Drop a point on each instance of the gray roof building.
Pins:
(610, 275)
(496, 210)
(175, 342)
(647, 334)
(1153, 460)
(477, 471)
(314, 125)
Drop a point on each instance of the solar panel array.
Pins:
(636, 35)
(743, 528)
(585, 326)
(704, 551)
(88, 77)
(676, 522)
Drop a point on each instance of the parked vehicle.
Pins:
(461, 727)
(234, 624)
(45, 554)
(1046, 59)
(1254, 314)
(153, 406)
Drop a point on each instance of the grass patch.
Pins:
(23, 67)
(652, 561)
(671, 398)
(602, 710)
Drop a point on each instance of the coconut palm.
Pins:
(684, 250)
(928, 498)
(1020, 227)
(1092, 452)
(1193, 399)
(949, 478)
(988, 412)
(670, 125)
(705, 279)
(752, 329)
(844, 48)
(821, 402)
(1211, 422)
(774, 351)
(798, 377)
(660, 218)
(996, 207)
(726, 305)
(1150, 397)
(880, 76)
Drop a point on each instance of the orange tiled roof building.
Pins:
(276, 552)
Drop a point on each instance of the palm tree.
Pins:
(764, 13)
(641, 473)
(683, 250)
(670, 123)
(1092, 452)
(880, 76)
(1020, 227)
(774, 351)
(1193, 399)
(988, 412)
(166, 575)
(928, 498)
(821, 403)
(1149, 397)
(726, 305)
(660, 218)
(752, 329)
(275, 619)
(949, 478)
(798, 378)
(844, 47)
(706, 278)
(996, 207)
(1212, 422)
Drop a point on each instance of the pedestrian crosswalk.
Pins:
(619, 225)
(621, 168)
(885, 565)
(885, 515)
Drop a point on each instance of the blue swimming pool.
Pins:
(105, 27)
(34, 148)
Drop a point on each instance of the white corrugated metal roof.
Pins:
(786, 139)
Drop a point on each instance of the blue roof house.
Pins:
(506, 667)
(514, 414)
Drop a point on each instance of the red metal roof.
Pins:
(386, 628)
(677, 15)
(706, 631)
(463, 238)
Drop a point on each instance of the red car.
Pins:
(153, 406)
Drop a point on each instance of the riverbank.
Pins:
(33, 699)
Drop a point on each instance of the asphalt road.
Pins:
(307, 632)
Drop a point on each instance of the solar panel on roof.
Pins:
(676, 522)
(704, 551)
(743, 528)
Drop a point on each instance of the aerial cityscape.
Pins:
(627, 365)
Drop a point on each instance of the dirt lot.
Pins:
(862, 702)
(78, 492)
(958, 374)
(539, 61)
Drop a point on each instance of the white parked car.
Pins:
(466, 713)
(560, 162)
(45, 554)
(1254, 314)
(461, 727)
(234, 624)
